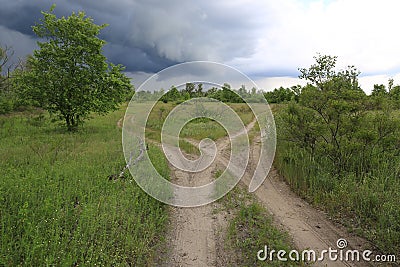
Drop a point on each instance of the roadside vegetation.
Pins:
(250, 228)
(339, 149)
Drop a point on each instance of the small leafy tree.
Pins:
(395, 95)
(331, 109)
(190, 88)
(320, 72)
(382, 99)
(332, 120)
(68, 75)
(280, 95)
(199, 90)
(379, 89)
(172, 95)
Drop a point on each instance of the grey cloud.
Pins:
(189, 31)
(151, 35)
(20, 43)
(135, 59)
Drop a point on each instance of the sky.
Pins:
(268, 40)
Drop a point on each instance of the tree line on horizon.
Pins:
(225, 93)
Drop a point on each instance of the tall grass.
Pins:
(57, 206)
(252, 228)
(368, 204)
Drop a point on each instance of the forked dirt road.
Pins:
(194, 234)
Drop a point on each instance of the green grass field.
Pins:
(57, 206)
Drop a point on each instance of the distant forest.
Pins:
(192, 90)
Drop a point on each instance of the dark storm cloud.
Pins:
(150, 35)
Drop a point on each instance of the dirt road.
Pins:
(308, 227)
(194, 235)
